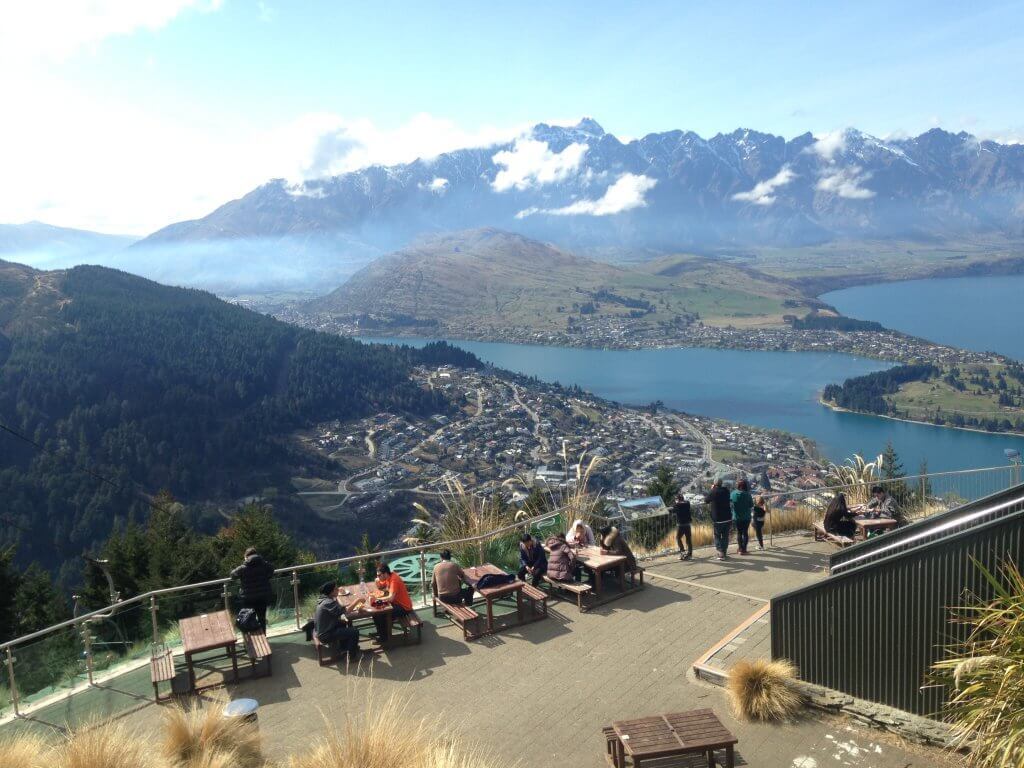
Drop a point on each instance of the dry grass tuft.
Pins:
(26, 751)
(374, 741)
(763, 690)
(110, 745)
(202, 737)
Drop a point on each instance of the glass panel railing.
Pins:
(50, 665)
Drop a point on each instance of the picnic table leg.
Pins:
(622, 577)
(711, 758)
(490, 615)
(519, 605)
(233, 652)
(729, 757)
(597, 581)
(389, 622)
(191, 673)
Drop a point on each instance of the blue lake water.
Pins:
(778, 390)
(979, 313)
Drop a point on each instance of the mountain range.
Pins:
(44, 245)
(582, 188)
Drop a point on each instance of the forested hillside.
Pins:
(128, 387)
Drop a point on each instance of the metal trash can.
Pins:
(243, 710)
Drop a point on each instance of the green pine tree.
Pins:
(664, 484)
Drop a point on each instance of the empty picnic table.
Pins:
(867, 525)
(595, 561)
(474, 573)
(364, 593)
(208, 632)
(681, 733)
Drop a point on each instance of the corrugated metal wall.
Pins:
(874, 631)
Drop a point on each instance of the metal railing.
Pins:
(75, 652)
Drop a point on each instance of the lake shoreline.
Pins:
(840, 409)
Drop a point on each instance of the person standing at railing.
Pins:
(761, 511)
(720, 508)
(684, 520)
(742, 504)
(255, 589)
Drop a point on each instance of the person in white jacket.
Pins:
(580, 535)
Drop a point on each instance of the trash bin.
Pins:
(243, 710)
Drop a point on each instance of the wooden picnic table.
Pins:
(595, 561)
(867, 525)
(367, 610)
(208, 632)
(474, 573)
(680, 733)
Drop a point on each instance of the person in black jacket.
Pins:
(684, 519)
(720, 507)
(332, 626)
(255, 589)
(532, 560)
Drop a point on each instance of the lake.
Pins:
(979, 313)
(778, 390)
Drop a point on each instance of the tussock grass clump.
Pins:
(763, 690)
(202, 733)
(27, 751)
(110, 745)
(374, 741)
(984, 675)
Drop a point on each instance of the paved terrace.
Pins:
(548, 687)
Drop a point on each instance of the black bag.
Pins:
(248, 621)
(494, 580)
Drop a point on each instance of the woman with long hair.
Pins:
(839, 518)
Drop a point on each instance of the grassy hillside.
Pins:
(129, 387)
(493, 278)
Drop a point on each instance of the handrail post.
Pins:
(227, 598)
(423, 576)
(295, 598)
(152, 618)
(87, 642)
(12, 682)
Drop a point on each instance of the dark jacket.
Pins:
(719, 504)
(614, 544)
(254, 574)
(561, 559)
(742, 505)
(683, 512)
(534, 558)
(328, 617)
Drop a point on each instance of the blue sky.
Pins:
(138, 113)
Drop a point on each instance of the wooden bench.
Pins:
(464, 616)
(323, 652)
(820, 534)
(412, 627)
(257, 648)
(161, 670)
(537, 597)
(580, 590)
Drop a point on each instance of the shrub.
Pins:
(26, 751)
(110, 745)
(197, 734)
(985, 675)
(763, 690)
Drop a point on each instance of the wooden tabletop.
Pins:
(673, 734)
(365, 593)
(474, 573)
(592, 557)
(875, 522)
(207, 631)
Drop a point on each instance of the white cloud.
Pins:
(846, 183)
(264, 12)
(763, 191)
(828, 145)
(437, 185)
(628, 192)
(531, 163)
(58, 29)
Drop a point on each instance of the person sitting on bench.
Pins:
(839, 518)
(580, 535)
(532, 561)
(612, 543)
(332, 626)
(393, 590)
(562, 565)
(448, 580)
(881, 505)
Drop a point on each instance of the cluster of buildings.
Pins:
(514, 434)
